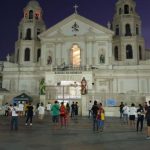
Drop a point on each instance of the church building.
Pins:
(56, 63)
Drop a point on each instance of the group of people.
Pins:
(98, 113)
(29, 112)
(136, 116)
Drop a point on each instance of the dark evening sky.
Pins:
(100, 11)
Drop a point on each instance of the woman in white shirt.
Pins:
(41, 110)
(132, 115)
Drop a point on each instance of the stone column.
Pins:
(43, 99)
(58, 53)
(84, 105)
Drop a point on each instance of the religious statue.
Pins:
(83, 86)
(42, 87)
(102, 58)
(49, 60)
(8, 57)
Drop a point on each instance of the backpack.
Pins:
(62, 110)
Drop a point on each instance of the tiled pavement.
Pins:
(77, 136)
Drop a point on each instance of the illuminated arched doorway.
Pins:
(75, 55)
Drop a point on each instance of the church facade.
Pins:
(50, 63)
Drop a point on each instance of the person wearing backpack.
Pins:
(62, 115)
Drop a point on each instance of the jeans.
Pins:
(29, 117)
(14, 122)
(140, 121)
(95, 123)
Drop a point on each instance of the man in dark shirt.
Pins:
(94, 112)
(29, 114)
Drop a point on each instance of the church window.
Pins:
(28, 34)
(75, 55)
(116, 53)
(126, 9)
(137, 30)
(38, 54)
(31, 14)
(140, 53)
(129, 52)
(27, 54)
(117, 29)
(128, 30)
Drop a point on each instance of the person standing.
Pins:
(67, 113)
(72, 110)
(132, 114)
(21, 108)
(121, 110)
(29, 114)
(41, 111)
(14, 118)
(48, 107)
(89, 109)
(76, 110)
(101, 117)
(95, 112)
(148, 121)
(26, 108)
(55, 114)
(140, 118)
(62, 115)
(125, 113)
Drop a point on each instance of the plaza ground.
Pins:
(77, 136)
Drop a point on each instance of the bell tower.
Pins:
(128, 43)
(28, 46)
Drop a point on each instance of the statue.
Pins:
(83, 86)
(42, 87)
(49, 60)
(102, 58)
(8, 57)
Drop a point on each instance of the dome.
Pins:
(33, 3)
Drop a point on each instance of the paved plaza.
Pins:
(77, 136)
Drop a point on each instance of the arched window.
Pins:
(137, 30)
(129, 52)
(76, 55)
(116, 53)
(27, 54)
(128, 30)
(117, 29)
(126, 9)
(31, 14)
(38, 54)
(140, 53)
(28, 34)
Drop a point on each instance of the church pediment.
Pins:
(76, 25)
